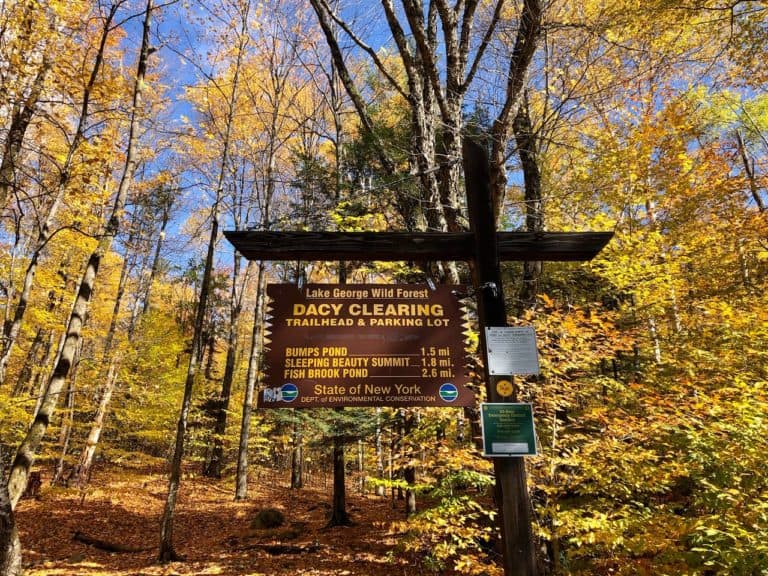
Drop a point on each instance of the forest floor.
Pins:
(123, 507)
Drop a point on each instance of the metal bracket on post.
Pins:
(492, 287)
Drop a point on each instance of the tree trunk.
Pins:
(380, 491)
(209, 353)
(527, 149)
(20, 120)
(461, 425)
(12, 329)
(109, 339)
(390, 466)
(41, 372)
(9, 288)
(409, 471)
(32, 358)
(526, 42)
(654, 334)
(156, 258)
(361, 466)
(25, 455)
(10, 547)
(749, 170)
(167, 552)
(339, 516)
(241, 488)
(297, 458)
(743, 263)
(81, 473)
(554, 546)
(677, 323)
(66, 433)
(216, 462)
(400, 448)
(449, 177)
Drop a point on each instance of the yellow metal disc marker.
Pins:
(504, 388)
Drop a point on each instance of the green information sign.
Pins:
(508, 429)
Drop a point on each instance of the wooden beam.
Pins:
(383, 246)
(518, 549)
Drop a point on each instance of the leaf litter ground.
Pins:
(123, 507)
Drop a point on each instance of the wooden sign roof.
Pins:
(521, 246)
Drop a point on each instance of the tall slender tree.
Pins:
(25, 454)
(251, 379)
(167, 551)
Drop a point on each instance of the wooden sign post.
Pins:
(484, 248)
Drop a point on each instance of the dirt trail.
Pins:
(123, 508)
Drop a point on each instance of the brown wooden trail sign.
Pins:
(484, 248)
(332, 345)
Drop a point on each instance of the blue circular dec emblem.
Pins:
(448, 392)
(289, 392)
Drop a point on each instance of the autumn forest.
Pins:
(134, 133)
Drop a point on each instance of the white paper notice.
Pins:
(512, 350)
